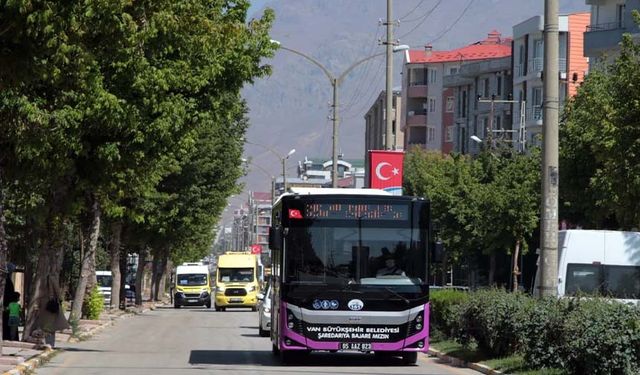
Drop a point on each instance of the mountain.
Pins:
(290, 109)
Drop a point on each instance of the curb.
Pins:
(33, 363)
(461, 363)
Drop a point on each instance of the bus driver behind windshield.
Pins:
(390, 268)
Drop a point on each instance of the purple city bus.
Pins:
(350, 273)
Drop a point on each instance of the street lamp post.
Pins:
(335, 84)
(284, 170)
(281, 158)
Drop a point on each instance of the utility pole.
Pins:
(389, 141)
(490, 131)
(549, 215)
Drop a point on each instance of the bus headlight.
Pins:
(290, 325)
(220, 289)
(267, 310)
(252, 288)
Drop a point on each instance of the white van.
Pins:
(599, 261)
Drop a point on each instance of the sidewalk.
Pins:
(21, 357)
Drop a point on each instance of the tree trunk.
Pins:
(142, 261)
(516, 270)
(90, 250)
(492, 269)
(123, 278)
(445, 261)
(4, 250)
(49, 263)
(48, 267)
(114, 251)
(163, 275)
(155, 275)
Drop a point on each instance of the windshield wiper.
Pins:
(393, 292)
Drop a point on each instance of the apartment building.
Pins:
(609, 20)
(375, 126)
(422, 101)
(528, 59)
(476, 92)
(260, 217)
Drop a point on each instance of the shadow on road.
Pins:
(250, 335)
(81, 350)
(232, 357)
(266, 358)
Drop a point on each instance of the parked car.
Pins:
(264, 312)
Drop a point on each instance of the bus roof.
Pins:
(331, 191)
(237, 260)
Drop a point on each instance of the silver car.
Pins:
(264, 312)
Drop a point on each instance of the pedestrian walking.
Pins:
(15, 313)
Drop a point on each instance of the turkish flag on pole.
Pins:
(386, 170)
(256, 249)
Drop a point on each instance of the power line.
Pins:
(356, 91)
(464, 11)
(370, 89)
(424, 18)
(411, 11)
(372, 92)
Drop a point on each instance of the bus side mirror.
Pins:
(437, 252)
(275, 238)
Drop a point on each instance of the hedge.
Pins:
(580, 335)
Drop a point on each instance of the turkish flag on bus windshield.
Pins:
(385, 170)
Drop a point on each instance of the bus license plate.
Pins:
(355, 346)
(235, 300)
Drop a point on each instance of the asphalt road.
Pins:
(198, 340)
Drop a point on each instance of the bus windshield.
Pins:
(352, 255)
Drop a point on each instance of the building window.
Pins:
(453, 71)
(499, 85)
(432, 105)
(498, 122)
(431, 134)
(450, 104)
(433, 76)
(449, 134)
(485, 88)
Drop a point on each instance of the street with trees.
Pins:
(122, 127)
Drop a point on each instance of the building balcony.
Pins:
(537, 65)
(602, 37)
(417, 90)
(416, 119)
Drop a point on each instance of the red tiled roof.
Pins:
(492, 47)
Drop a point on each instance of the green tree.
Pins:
(101, 100)
(600, 154)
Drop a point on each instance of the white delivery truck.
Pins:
(603, 262)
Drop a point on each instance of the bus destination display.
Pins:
(362, 211)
